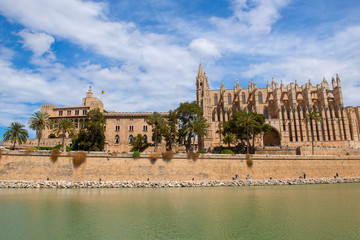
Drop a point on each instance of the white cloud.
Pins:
(38, 43)
(204, 48)
(250, 18)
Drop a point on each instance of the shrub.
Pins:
(227, 151)
(249, 161)
(168, 155)
(192, 155)
(59, 146)
(136, 154)
(153, 157)
(54, 154)
(201, 151)
(79, 158)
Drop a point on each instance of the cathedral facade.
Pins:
(284, 108)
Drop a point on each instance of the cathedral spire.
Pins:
(200, 72)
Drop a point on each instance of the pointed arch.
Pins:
(216, 99)
(260, 97)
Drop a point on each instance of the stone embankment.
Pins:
(170, 184)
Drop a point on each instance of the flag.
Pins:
(103, 91)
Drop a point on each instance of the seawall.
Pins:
(38, 166)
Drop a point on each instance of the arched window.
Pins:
(131, 138)
(243, 98)
(260, 97)
(266, 113)
(145, 138)
(229, 99)
(117, 139)
(215, 99)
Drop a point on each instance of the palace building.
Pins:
(120, 129)
(284, 108)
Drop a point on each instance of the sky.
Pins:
(145, 54)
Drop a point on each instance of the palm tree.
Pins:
(229, 138)
(312, 115)
(38, 122)
(16, 132)
(247, 120)
(196, 127)
(156, 121)
(62, 127)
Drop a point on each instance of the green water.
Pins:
(276, 212)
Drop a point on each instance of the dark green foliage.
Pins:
(157, 122)
(227, 151)
(91, 136)
(136, 154)
(246, 126)
(51, 135)
(139, 144)
(170, 132)
(186, 113)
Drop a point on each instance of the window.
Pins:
(76, 112)
(266, 113)
(229, 99)
(117, 128)
(131, 128)
(243, 98)
(84, 112)
(260, 97)
(60, 113)
(117, 139)
(131, 138)
(76, 125)
(215, 99)
(104, 128)
(68, 112)
(145, 138)
(144, 128)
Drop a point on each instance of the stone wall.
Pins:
(37, 166)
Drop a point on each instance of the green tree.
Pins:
(229, 138)
(91, 135)
(38, 122)
(311, 116)
(170, 129)
(260, 127)
(246, 126)
(62, 127)
(157, 122)
(16, 133)
(139, 143)
(187, 112)
(196, 127)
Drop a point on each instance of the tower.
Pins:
(204, 101)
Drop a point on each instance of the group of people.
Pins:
(237, 176)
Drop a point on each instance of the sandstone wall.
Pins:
(36, 166)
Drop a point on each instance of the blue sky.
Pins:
(145, 54)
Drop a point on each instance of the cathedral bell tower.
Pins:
(204, 101)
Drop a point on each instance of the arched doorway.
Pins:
(272, 138)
